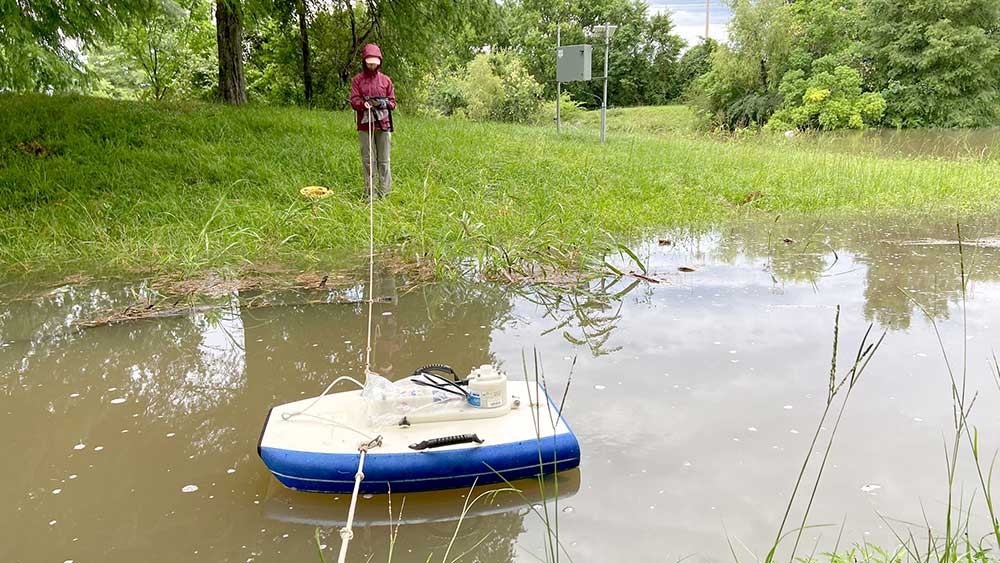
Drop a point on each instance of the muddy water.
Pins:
(694, 401)
(909, 143)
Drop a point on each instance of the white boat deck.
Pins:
(323, 428)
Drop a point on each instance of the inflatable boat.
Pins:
(426, 432)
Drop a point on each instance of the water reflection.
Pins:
(489, 530)
(916, 259)
(691, 398)
(910, 143)
(585, 313)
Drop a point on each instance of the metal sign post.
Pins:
(573, 64)
(604, 100)
(558, 84)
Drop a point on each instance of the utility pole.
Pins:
(604, 100)
(708, 4)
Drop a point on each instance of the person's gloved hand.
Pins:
(382, 103)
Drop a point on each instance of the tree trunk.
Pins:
(307, 79)
(229, 33)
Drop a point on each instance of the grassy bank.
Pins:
(87, 182)
(652, 119)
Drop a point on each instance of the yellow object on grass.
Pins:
(315, 192)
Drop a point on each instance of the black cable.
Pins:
(456, 392)
(442, 383)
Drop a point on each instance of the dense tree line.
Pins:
(305, 51)
(832, 64)
(788, 64)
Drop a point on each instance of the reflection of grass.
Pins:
(587, 312)
(962, 405)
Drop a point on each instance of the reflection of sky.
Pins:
(197, 380)
(689, 18)
(702, 417)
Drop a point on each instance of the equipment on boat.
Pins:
(432, 432)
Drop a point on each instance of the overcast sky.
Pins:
(689, 18)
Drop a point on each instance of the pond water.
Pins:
(694, 400)
(976, 144)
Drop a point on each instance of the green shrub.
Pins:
(826, 100)
(494, 86)
(570, 110)
(445, 94)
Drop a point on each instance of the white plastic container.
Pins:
(487, 387)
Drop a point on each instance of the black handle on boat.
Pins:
(430, 368)
(446, 441)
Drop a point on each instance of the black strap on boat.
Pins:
(436, 367)
(446, 441)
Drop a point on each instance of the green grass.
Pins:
(647, 119)
(189, 186)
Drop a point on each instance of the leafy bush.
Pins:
(826, 100)
(445, 94)
(936, 63)
(729, 95)
(493, 86)
(570, 110)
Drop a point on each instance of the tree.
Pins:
(281, 16)
(741, 88)
(664, 49)
(695, 62)
(40, 40)
(303, 13)
(160, 54)
(643, 50)
(416, 38)
(825, 27)
(229, 36)
(937, 62)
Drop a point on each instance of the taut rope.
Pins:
(346, 533)
(371, 239)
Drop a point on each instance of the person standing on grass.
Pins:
(373, 99)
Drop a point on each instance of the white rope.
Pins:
(371, 280)
(288, 415)
(371, 239)
(346, 533)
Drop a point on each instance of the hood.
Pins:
(371, 50)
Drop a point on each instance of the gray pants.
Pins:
(381, 143)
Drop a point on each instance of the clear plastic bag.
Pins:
(389, 402)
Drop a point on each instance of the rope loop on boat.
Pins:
(346, 533)
(373, 443)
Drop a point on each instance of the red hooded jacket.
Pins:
(371, 84)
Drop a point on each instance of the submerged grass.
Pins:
(183, 187)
